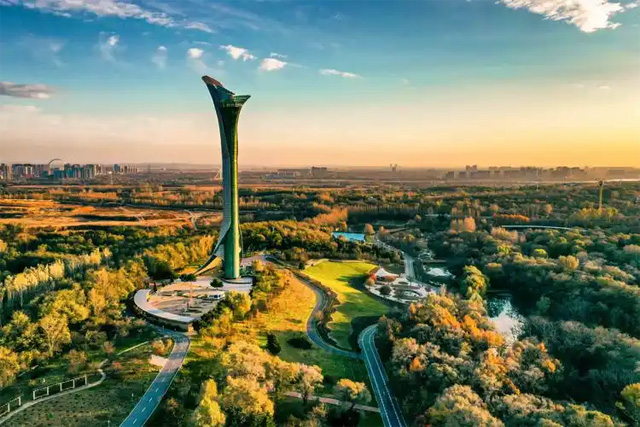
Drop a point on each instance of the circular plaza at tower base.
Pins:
(144, 308)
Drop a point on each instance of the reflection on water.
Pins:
(439, 272)
(355, 237)
(506, 318)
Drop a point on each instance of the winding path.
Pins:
(27, 405)
(388, 405)
(312, 324)
(158, 388)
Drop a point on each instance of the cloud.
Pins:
(160, 57)
(195, 53)
(277, 55)
(198, 26)
(237, 52)
(587, 15)
(19, 109)
(113, 8)
(332, 72)
(34, 91)
(195, 60)
(272, 64)
(107, 44)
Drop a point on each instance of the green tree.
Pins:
(473, 282)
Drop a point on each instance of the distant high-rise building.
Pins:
(6, 172)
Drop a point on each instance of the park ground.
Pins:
(287, 319)
(346, 280)
(128, 374)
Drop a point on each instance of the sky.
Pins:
(421, 83)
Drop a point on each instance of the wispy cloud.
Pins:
(587, 15)
(43, 49)
(332, 72)
(108, 44)
(114, 8)
(19, 109)
(237, 52)
(160, 57)
(35, 91)
(272, 64)
(277, 55)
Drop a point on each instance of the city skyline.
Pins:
(422, 84)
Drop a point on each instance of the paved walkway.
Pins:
(158, 388)
(331, 401)
(63, 393)
(389, 408)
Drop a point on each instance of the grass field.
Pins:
(342, 277)
(109, 402)
(288, 319)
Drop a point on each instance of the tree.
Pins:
(370, 282)
(569, 262)
(352, 392)
(539, 253)
(216, 283)
(473, 282)
(108, 348)
(281, 375)
(56, 332)
(246, 400)
(258, 266)
(9, 366)
(240, 303)
(460, 406)
(630, 404)
(77, 360)
(385, 290)
(272, 344)
(548, 209)
(188, 277)
(368, 229)
(309, 378)
(208, 413)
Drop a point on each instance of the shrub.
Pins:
(272, 344)
(385, 290)
(299, 342)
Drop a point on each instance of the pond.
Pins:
(439, 272)
(354, 237)
(505, 317)
(507, 320)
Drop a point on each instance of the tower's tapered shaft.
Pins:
(228, 107)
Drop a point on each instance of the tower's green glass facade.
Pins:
(228, 106)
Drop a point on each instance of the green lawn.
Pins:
(342, 277)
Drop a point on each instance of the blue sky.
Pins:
(421, 83)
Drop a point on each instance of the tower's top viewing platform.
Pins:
(222, 94)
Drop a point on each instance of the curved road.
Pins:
(389, 408)
(312, 324)
(156, 391)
